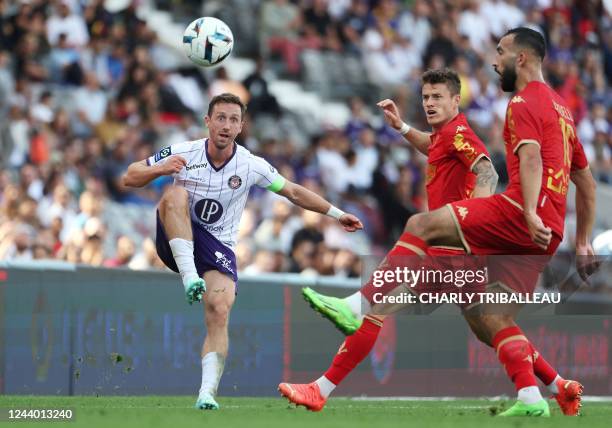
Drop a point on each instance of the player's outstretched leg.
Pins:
(352, 351)
(346, 314)
(174, 216)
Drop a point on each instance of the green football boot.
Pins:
(194, 290)
(521, 409)
(334, 309)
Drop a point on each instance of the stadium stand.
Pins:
(86, 87)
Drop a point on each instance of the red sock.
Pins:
(354, 349)
(541, 368)
(514, 352)
(399, 256)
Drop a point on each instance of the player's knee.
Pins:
(419, 225)
(490, 324)
(218, 313)
(175, 198)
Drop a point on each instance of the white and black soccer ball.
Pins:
(208, 41)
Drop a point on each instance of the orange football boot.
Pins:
(303, 394)
(569, 396)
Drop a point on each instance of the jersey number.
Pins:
(559, 181)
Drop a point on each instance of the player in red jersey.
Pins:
(454, 151)
(543, 154)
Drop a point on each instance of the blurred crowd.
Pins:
(86, 88)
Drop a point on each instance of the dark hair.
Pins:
(228, 99)
(527, 38)
(446, 75)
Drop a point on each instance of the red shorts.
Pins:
(496, 226)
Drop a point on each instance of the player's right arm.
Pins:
(526, 137)
(530, 170)
(419, 139)
(140, 174)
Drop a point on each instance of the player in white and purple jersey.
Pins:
(198, 218)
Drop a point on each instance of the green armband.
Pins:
(277, 184)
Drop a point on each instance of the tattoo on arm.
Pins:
(486, 174)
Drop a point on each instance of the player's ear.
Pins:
(207, 120)
(457, 99)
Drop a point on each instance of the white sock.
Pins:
(552, 387)
(325, 385)
(182, 251)
(358, 304)
(530, 395)
(212, 369)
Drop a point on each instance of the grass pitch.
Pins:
(178, 412)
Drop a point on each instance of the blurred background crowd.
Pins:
(89, 86)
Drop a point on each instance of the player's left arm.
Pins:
(486, 178)
(309, 200)
(581, 176)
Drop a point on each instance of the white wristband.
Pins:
(335, 212)
(405, 128)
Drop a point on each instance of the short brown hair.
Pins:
(226, 98)
(447, 76)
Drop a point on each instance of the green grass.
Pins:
(177, 412)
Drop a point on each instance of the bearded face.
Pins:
(507, 77)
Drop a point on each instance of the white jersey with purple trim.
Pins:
(217, 196)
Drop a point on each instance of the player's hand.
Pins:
(392, 115)
(586, 261)
(350, 222)
(540, 234)
(173, 165)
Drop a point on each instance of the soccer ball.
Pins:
(208, 41)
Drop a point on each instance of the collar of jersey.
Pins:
(449, 125)
(224, 163)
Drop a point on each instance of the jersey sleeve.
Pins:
(523, 124)
(579, 160)
(468, 149)
(164, 154)
(266, 175)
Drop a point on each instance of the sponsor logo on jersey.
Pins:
(430, 173)
(163, 153)
(464, 146)
(224, 261)
(272, 169)
(234, 182)
(563, 111)
(463, 212)
(197, 166)
(460, 128)
(517, 99)
(209, 211)
(210, 228)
